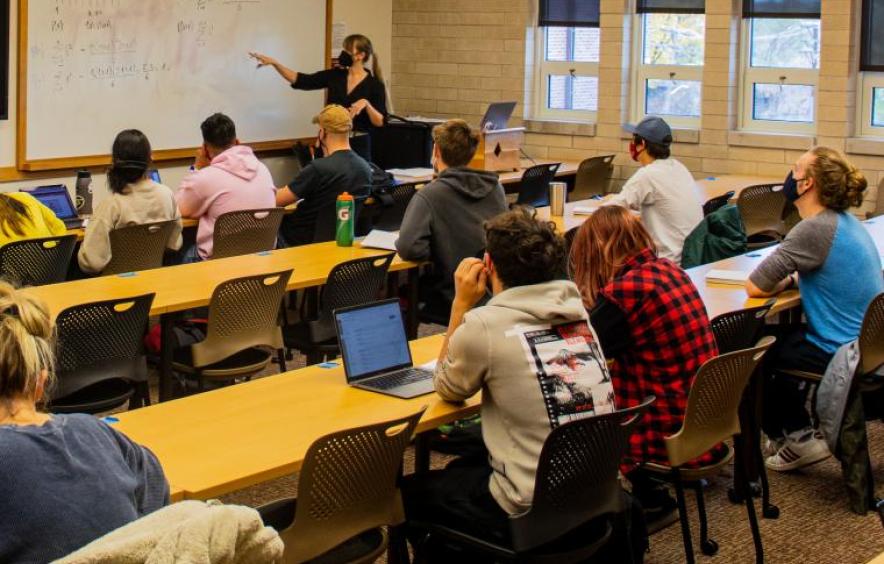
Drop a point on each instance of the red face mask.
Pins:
(634, 152)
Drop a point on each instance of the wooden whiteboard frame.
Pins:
(61, 163)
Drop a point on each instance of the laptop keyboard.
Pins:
(400, 378)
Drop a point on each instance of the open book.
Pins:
(734, 277)
(378, 239)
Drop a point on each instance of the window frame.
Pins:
(544, 69)
(749, 76)
(867, 82)
(641, 73)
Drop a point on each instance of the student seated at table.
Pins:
(651, 321)
(321, 182)
(65, 480)
(833, 261)
(663, 190)
(443, 222)
(22, 216)
(227, 177)
(134, 199)
(533, 321)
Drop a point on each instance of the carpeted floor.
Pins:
(815, 526)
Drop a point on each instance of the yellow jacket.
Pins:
(42, 223)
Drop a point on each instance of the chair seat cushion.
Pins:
(692, 474)
(102, 396)
(280, 515)
(248, 361)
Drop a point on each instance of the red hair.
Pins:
(606, 240)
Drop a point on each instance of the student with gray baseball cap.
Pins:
(663, 190)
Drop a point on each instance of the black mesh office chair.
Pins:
(350, 283)
(593, 177)
(576, 483)
(243, 232)
(100, 356)
(716, 203)
(138, 247)
(534, 188)
(35, 262)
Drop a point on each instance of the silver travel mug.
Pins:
(557, 193)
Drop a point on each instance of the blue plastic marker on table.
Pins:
(127, 274)
(110, 419)
(263, 253)
(754, 255)
(329, 364)
(710, 178)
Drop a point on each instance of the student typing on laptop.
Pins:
(537, 361)
(22, 216)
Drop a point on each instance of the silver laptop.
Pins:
(375, 351)
(497, 116)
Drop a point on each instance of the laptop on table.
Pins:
(497, 116)
(375, 351)
(57, 198)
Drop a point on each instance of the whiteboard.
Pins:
(96, 67)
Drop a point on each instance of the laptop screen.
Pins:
(497, 116)
(372, 339)
(57, 199)
(155, 175)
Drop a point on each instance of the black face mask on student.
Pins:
(345, 59)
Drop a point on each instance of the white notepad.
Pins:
(582, 210)
(735, 277)
(411, 172)
(378, 239)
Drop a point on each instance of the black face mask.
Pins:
(790, 188)
(345, 59)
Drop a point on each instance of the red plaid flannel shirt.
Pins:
(671, 339)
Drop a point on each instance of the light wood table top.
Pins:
(187, 286)
(220, 441)
(568, 168)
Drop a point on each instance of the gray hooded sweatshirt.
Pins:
(538, 363)
(443, 222)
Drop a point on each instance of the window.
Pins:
(871, 114)
(780, 60)
(668, 72)
(567, 56)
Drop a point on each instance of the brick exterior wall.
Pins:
(452, 57)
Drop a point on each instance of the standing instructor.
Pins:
(350, 85)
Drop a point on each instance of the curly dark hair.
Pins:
(524, 249)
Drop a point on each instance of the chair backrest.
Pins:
(871, 337)
(576, 476)
(737, 330)
(35, 262)
(100, 341)
(138, 247)
(347, 485)
(717, 202)
(350, 283)
(243, 232)
(534, 188)
(390, 213)
(593, 176)
(711, 415)
(761, 209)
(243, 313)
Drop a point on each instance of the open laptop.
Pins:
(497, 116)
(58, 199)
(155, 175)
(375, 351)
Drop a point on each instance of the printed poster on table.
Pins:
(571, 371)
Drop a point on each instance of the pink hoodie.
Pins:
(236, 180)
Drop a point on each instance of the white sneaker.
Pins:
(771, 446)
(801, 448)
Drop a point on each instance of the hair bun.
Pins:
(856, 184)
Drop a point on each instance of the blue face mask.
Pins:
(790, 188)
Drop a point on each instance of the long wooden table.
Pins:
(187, 286)
(220, 441)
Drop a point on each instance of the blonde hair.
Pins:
(25, 343)
(602, 246)
(841, 185)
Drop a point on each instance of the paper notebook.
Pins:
(411, 172)
(582, 210)
(735, 277)
(378, 239)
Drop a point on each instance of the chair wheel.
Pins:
(733, 496)
(709, 547)
(755, 489)
(771, 512)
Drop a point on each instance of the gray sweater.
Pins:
(443, 222)
(69, 481)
